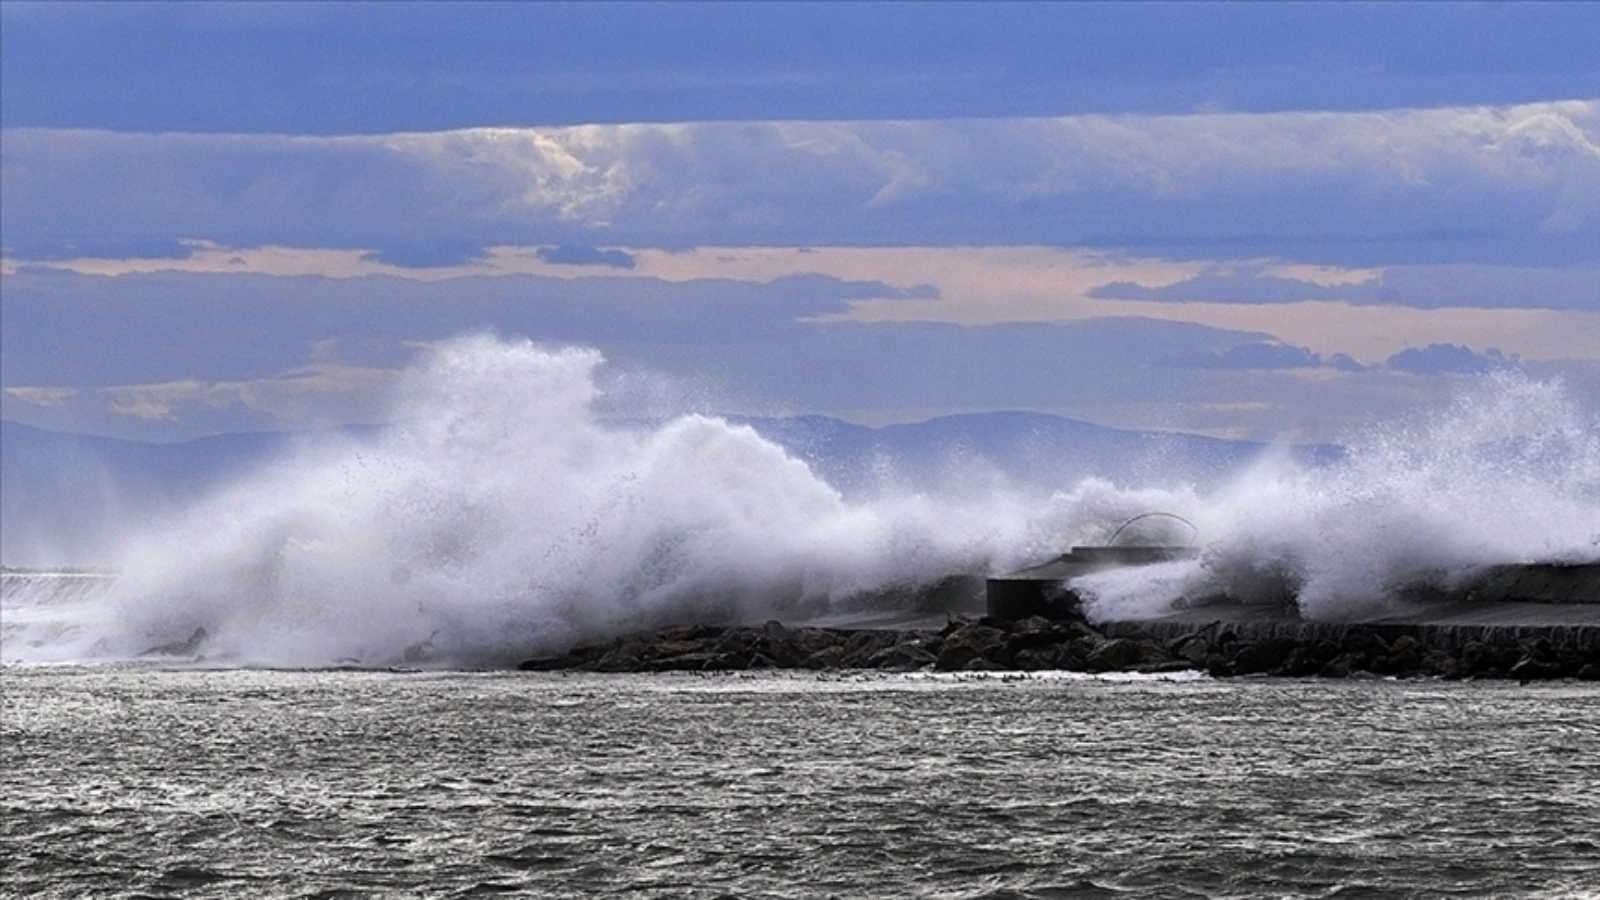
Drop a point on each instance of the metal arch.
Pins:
(1194, 530)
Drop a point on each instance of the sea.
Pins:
(123, 781)
(303, 685)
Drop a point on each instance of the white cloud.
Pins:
(43, 396)
(1368, 176)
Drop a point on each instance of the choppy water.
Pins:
(124, 782)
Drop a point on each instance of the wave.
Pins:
(503, 515)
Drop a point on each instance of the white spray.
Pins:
(502, 517)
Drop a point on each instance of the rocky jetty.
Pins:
(987, 644)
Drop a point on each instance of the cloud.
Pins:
(259, 67)
(156, 248)
(1422, 287)
(1260, 355)
(574, 255)
(1240, 287)
(251, 352)
(1448, 358)
(43, 396)
(64, 329)
(1451, 185)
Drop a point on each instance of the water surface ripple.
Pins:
(130, 782)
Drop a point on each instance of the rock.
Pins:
(1369, 645)
(1151, 652)
(1039, 658)
(1081, 631)
(678, 648)
(1113, 655)
(550, 663)
(690, 633)
(1530, 668)
(811, 640)
(1542, 651)
(1218, 665)
(826, 658)
(625, 655)
(185, 647)
(972, 642)
(738, 641)
(1164, 668)
(1440, 664)
(686, 662)
(1075, 653)
(904, 656)
(1194, 649)
(860, 648)
(1264, 655)
(1405, 655)
(1343, 665)
(981, 644)
(1034, 632)
(1308, 660)
(1479, 657)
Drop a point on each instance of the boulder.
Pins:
(811, 640)
(1032, 633)
(690, 633)
(971, 642)
(1406, 655)
(826, 658)
(1152, 652)
(1308, 660)
(1039, 658)
(1529, 668)
(738, 641)
(1479, 658)
(186, 647)
(1193, 649)
(903, 656)
(550, 663)
(861, 646)
(625, 655)
(1264, 655)
(1164, 668)
(687, 662)
(1113, 655)
(1343, 666)
(1440, 664)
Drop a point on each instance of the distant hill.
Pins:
(1034, 449)
(63, 495)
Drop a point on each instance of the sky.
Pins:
(1274, 221)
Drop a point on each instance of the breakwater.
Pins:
(1036, 643)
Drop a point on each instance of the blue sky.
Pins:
(1266, 220)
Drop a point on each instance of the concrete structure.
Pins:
(1042, 590)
